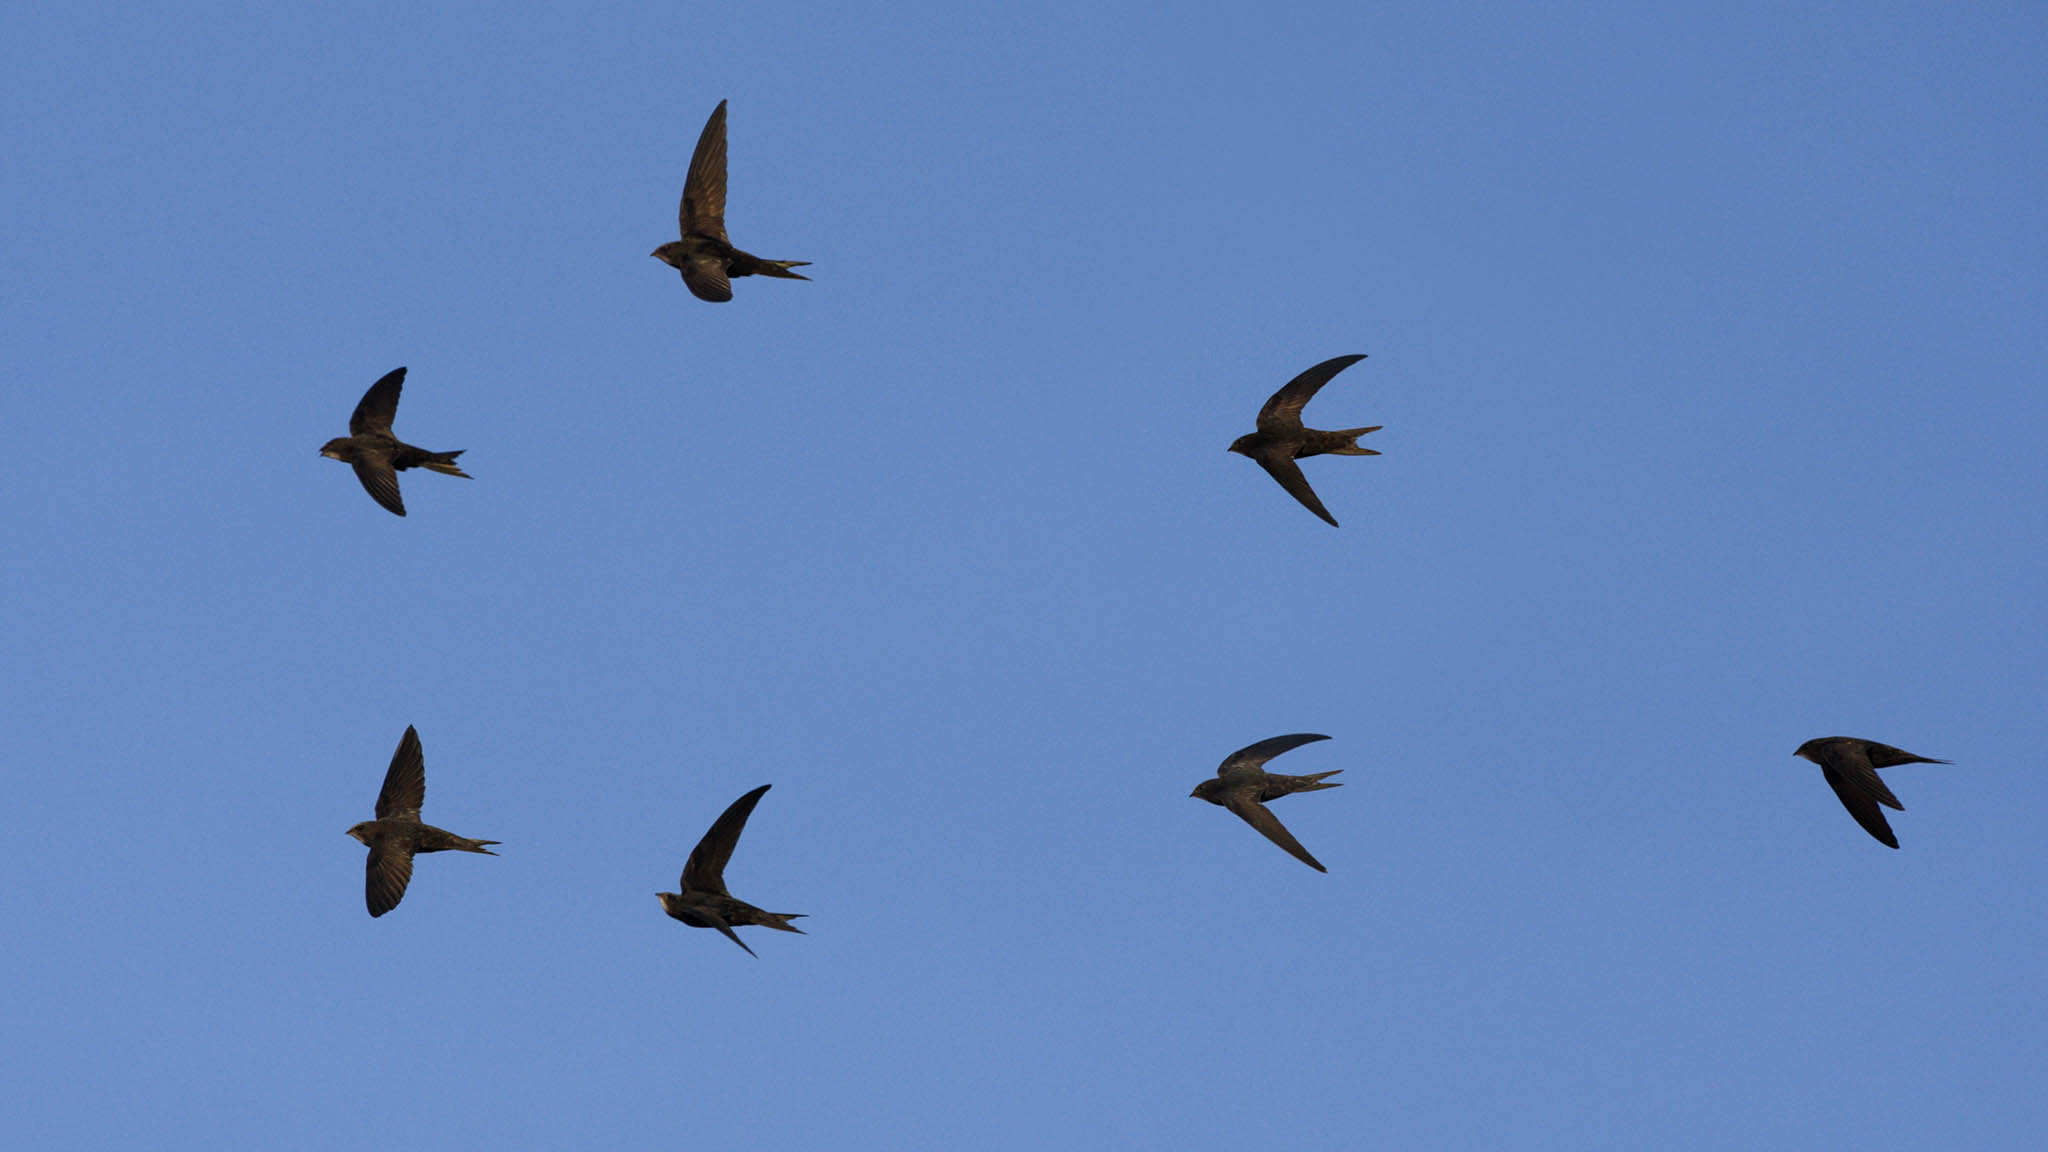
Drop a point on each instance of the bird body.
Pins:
(1244, 786)
(1850, 765)
(1281, 438)
(397, 834)
(704, 255)
(378, 456)
(703, 901)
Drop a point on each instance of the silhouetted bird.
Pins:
(377, 455)
(1245, 788)
(704, 256)
(704, 902)
(1851, 767)
(1281, 438)
(397, 834)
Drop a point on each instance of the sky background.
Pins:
(1708, 348)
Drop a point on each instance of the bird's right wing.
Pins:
(1861, 791)
(1288, 473)
(385, 877)
(1258, 816)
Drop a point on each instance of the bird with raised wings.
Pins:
(1850, 766)
(1281, 438)
(704, 902)
(1244, 786)
(397, 834)
(704, 256)
(378, 456)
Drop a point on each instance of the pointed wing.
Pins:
(405, 784)
(705, 277)
(386, 875)
(703, 207)
(733, 936)
(1283, 411)
(705, 870)
(1269, 826)
(1886, 756)
(1255, 755)
(379, 406)
(1860, 791)
(1288, 473)
(380, 480)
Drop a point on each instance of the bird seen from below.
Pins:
(1851, 767)
(396, 835)
(704, 902)
(704, 256)
(1281, 438)
(378, 456)
(1244, 787)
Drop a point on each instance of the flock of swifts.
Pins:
(708, 262)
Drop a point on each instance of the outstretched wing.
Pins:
(385, 877)
(379, 406)
(380, 480)
(703, 207)
(1255, 755)
(1860, 789)
(705, 870)
(405, 786)
(1283, 411)
(1269, 826)
(1288, 473)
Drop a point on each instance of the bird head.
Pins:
(336, 449)
(1806, 751)
(1241, 445)
(361, 831)
(1206, 790)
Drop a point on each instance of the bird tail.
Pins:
(1350, 447)
(478, 845)
(780, 921)
(780, 269)
(444, 463)
(1315, 779)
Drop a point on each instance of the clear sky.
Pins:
(1708, 346)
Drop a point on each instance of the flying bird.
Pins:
(704, 902)
(378, 456)
(1244, 787)
(704, 256)
(1281, 438)
(1851, 767)
(396, 835)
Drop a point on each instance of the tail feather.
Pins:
(1351, 448)
(781, 922)
(780, 269)
(1316, 781)
(444, 463)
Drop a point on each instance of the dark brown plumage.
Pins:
(396, 835)
(704, 256)
(1244, 787)
(704, 902)
(378, 456)
(1850, 766)
(1282, 439)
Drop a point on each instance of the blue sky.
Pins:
(1707, 347)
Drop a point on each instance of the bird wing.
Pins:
(703, 206)
(705, 277)
(1269, 826)
(705, 870)
(405, 784)
(1255, 755)
(380, 480)
(385, 877)
(1886, 756)
(1283, 411)
(1857, 785)
(720, 924)
(379, 406)
(1288, 473)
